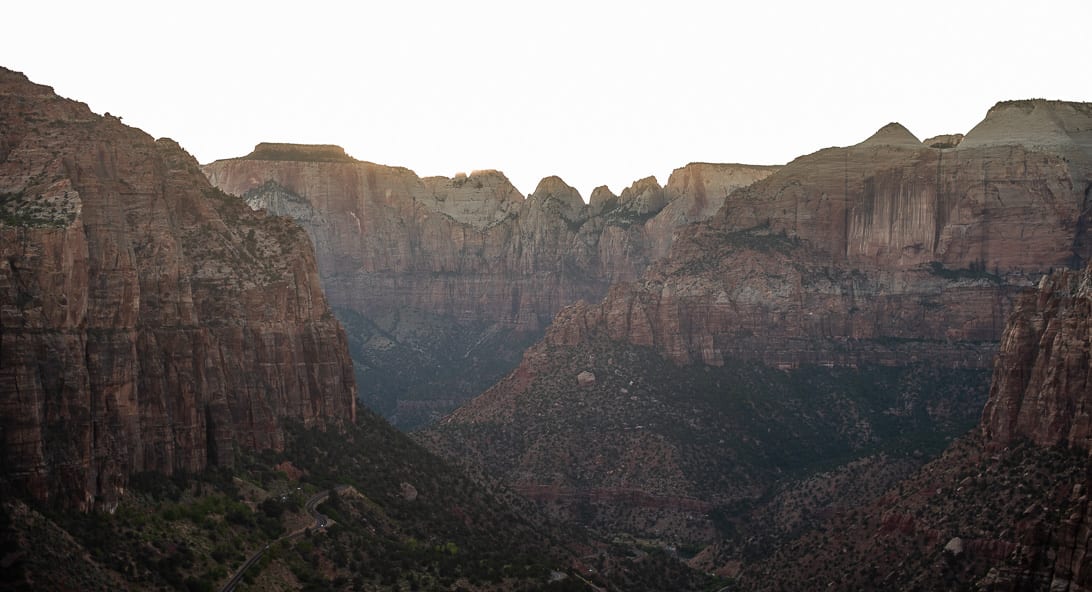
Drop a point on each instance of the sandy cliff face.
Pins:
(881, 257)
(1041, 393)
(147, 320)
(879, 252)
(470, 247)
(1006, 508)
(442, 282)
(1041, 390)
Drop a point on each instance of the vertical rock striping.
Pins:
(442, 282)
(148, 322)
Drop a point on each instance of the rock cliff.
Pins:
(441, 282)
(148, 321)
(1041, 390)
(880, 252)
(1005, 508)
(844, 266)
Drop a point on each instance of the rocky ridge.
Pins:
(442, 281)
(148, 321)
(844, 249)
(1005, 508)
(889, 254)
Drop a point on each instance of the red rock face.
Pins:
(1041, 377)
(883, 252)
(884, 255)
(147, 320)
(470, 255)
(1018, 485)
(1041, 388)
(470, 247)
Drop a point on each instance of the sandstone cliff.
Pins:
(1006, 508)
(148, 322)
(878, 252)
(1041, 383)
(442, 282)
(847, 265)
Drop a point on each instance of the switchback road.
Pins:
(320, 521)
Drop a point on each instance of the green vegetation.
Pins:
(36, 211)
(247, 245)
(404, 521)
(975, 271)
(182, 533)
(625, 217)
(299, 153)
(713, 433)
(761, 238)
(1021, 496)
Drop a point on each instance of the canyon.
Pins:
(866, 369)
(442, 282)
(850, 304)
(1004, 508)
(177, 396)
(148, 322)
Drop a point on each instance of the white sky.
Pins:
(595, 92)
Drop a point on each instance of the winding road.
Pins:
(321, 521)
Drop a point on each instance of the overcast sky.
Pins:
(599, 93)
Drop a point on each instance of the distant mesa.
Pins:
(299, 152)
(892, 134)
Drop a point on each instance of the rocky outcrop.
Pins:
(884, 251)
(1011, 500)
(873, 259)
(148, 322)
(307, 152)
(1041, 388)
(943, 141)
(375, 224)
(458, 275)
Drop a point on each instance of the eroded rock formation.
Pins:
(877, 258)
(880, 252)
(148, 321)
(1005, 508)
(442, 282)
(1041, 389)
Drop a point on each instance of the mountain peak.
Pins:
(892, 134)
(1034, 122)
(556, 186)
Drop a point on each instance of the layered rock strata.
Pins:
(886, 254)
(148, 321)
(886, 246)
(1041, 388)
(443, 281)
(1006, 508)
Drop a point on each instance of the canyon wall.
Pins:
(1041, 389)
(148, 321)
(881, 252)
(890, 260)
(1005, 508)
(442, 282)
